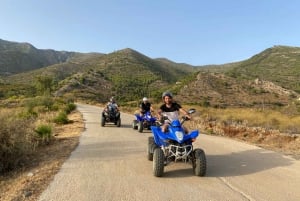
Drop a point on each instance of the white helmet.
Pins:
(145, 99)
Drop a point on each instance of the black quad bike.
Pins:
(111, 115)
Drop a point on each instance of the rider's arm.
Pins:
(151, 109)
(183, 111)
(159, 114)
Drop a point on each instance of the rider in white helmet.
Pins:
(145, 106)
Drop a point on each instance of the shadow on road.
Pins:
(244, 163)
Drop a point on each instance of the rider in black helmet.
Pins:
(171, 109)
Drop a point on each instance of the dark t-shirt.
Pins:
(174, 107)
(145, 107)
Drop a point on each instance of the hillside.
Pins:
(21, 57)
(126, 74)
(279, 64)
(219, 90)
(268, 79)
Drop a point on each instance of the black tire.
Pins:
(150, 148)
(158, 162)
(199, 164)
(140, 127)
(102, 121)
(134, 124)
(118, 122)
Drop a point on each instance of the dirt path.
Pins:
(110, 164)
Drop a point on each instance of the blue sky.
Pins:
(197, 32)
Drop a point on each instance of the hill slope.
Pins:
(279, 64)
(126, 74)
(271, 77)
(21, 57)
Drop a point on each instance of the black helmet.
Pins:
(167, 93)
(112, 99)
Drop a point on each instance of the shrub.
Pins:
(44, 133)
(62, 118)
(70, 107)
(16, 140)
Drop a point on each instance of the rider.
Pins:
(145, 106)
(170, 109)
(112, 104)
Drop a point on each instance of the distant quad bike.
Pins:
(111, 115)
(175, 146)
(143, 121)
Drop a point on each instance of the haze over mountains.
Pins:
(270, 77)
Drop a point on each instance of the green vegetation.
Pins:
(61, 118)
(280, 64)
(44, 133)
(16, 139)
(27, 123)
(261, 91)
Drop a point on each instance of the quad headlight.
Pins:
(179, 135)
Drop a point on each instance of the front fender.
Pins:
(138, 117)
(158, 136)
(192, 135)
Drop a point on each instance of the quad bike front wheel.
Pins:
(102, 121)
(199, 163)
(140, 127)
(134, 124)
(118, 123)
(158, 162)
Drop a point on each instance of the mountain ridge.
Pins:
(127, 74)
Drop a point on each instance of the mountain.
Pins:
(270, 78)
(21, 57)
(126, 74)
(279, 64)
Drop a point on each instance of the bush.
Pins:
(44, 133)
(16, 140)
(62, 118)
(70, 107)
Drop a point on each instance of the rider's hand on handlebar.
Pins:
(187, 117)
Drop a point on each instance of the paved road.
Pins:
(110, 164)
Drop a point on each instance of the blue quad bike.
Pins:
(111, 115)
(143, 121)
(175, 146)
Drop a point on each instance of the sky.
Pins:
(196, 32)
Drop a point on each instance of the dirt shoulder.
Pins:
(30, 182)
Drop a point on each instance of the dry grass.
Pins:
(30, 181)
(268, 119)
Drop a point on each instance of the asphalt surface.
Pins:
(111, 164)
